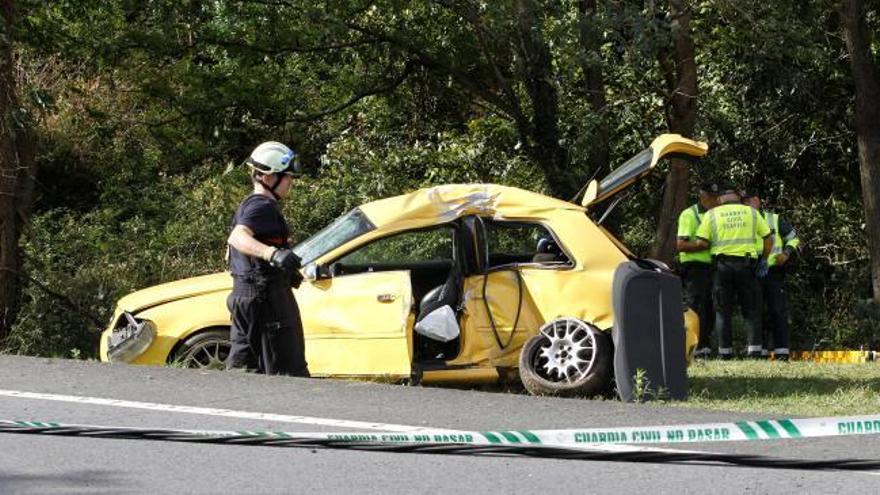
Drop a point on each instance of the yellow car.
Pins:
(449, 284)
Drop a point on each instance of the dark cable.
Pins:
(518, 308)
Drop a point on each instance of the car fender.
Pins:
(178, 320)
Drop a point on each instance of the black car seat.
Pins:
(448, 293)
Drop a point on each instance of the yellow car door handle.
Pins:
(386, 298)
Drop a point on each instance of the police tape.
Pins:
(841, 357)
(570, 438)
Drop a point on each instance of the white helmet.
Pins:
(273, 157)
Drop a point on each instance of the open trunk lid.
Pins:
(640, 165)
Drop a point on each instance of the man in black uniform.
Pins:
(266, 330)
(731, 231)
(773, 298)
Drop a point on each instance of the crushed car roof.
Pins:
(445, 203)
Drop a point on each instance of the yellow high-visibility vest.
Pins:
(733, 229)
(779, 243)
(688, 222)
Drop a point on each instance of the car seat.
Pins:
(445, 294)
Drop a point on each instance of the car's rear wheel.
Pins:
(205, 350)
(567, 357)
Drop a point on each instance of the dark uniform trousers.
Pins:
(735, 279)
(266, 333)
(698, 291)
(773, 304)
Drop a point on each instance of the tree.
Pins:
(495, 53)
(590, 39)
(17, 170)
(680, 72)
(867, 122)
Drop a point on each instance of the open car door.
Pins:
(357, 314)
(356, 324)
(640, 165)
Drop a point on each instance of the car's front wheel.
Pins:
(567, 357)
(205, 350)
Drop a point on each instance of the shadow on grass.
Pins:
(737, 387)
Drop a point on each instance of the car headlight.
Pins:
(130, 338)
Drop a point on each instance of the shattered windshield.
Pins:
(342, 230)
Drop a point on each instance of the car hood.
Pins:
(173, 291)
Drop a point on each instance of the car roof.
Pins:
(441, 204)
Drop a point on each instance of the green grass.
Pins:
(785, 389)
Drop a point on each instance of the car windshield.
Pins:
(342, 230)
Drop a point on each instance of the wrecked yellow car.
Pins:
(449, 284)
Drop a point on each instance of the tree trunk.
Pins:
(681, 116)
(17, 170)
(537, 70)
(867, 86)
(590, 39)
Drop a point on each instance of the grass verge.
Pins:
(785, 389)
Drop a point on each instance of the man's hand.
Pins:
(762, 269)
(781, 258)
(285, 260)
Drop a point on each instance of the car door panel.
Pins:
(479, 342)
(358, 324)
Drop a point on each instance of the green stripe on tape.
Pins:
(751, 434)
(529, 436)
(768, 429)
(490, 437)
(510, 436)
(792, 430)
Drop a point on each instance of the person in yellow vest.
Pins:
(773, 299)
(730, 231)
(696, 266)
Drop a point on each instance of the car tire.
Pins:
(204, 350)
(567, 358)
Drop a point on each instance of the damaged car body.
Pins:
(449, 284)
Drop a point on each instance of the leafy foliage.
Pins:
(144, 105)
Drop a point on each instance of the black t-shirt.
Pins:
(263, 216)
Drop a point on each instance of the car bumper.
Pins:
(127, 338)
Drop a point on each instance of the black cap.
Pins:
(709, 186)
(750, 193)
(727, 187)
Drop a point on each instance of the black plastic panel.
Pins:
(648, 332)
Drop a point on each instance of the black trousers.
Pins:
(735, 280)
(774, 302)
(267, 334)
(698, 293)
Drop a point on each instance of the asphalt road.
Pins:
(42, 464)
